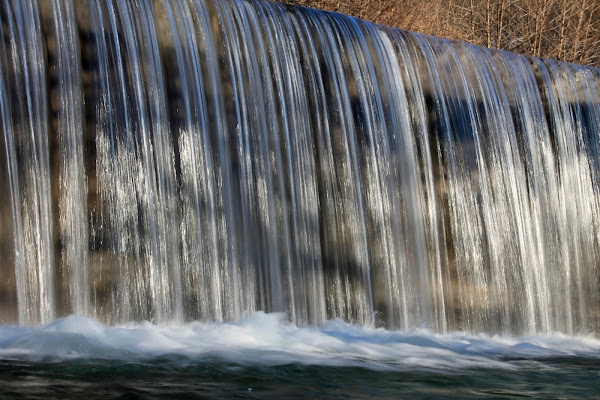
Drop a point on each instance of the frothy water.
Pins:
(266, 356)
(269, 340)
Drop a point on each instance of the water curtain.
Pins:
(177, 160)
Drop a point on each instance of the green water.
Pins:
(169, 377)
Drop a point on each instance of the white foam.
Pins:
(267, 339)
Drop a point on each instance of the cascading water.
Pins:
(181, 160)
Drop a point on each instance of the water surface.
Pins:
(266, 357)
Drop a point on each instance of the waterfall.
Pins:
(177, 160)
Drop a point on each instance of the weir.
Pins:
(177, 160)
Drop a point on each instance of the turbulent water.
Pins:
(265, 356)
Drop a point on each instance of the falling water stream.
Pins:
(176, 161)
(192, 160)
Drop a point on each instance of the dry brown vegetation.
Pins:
(567, 30)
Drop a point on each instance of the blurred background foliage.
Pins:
(567, 30)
